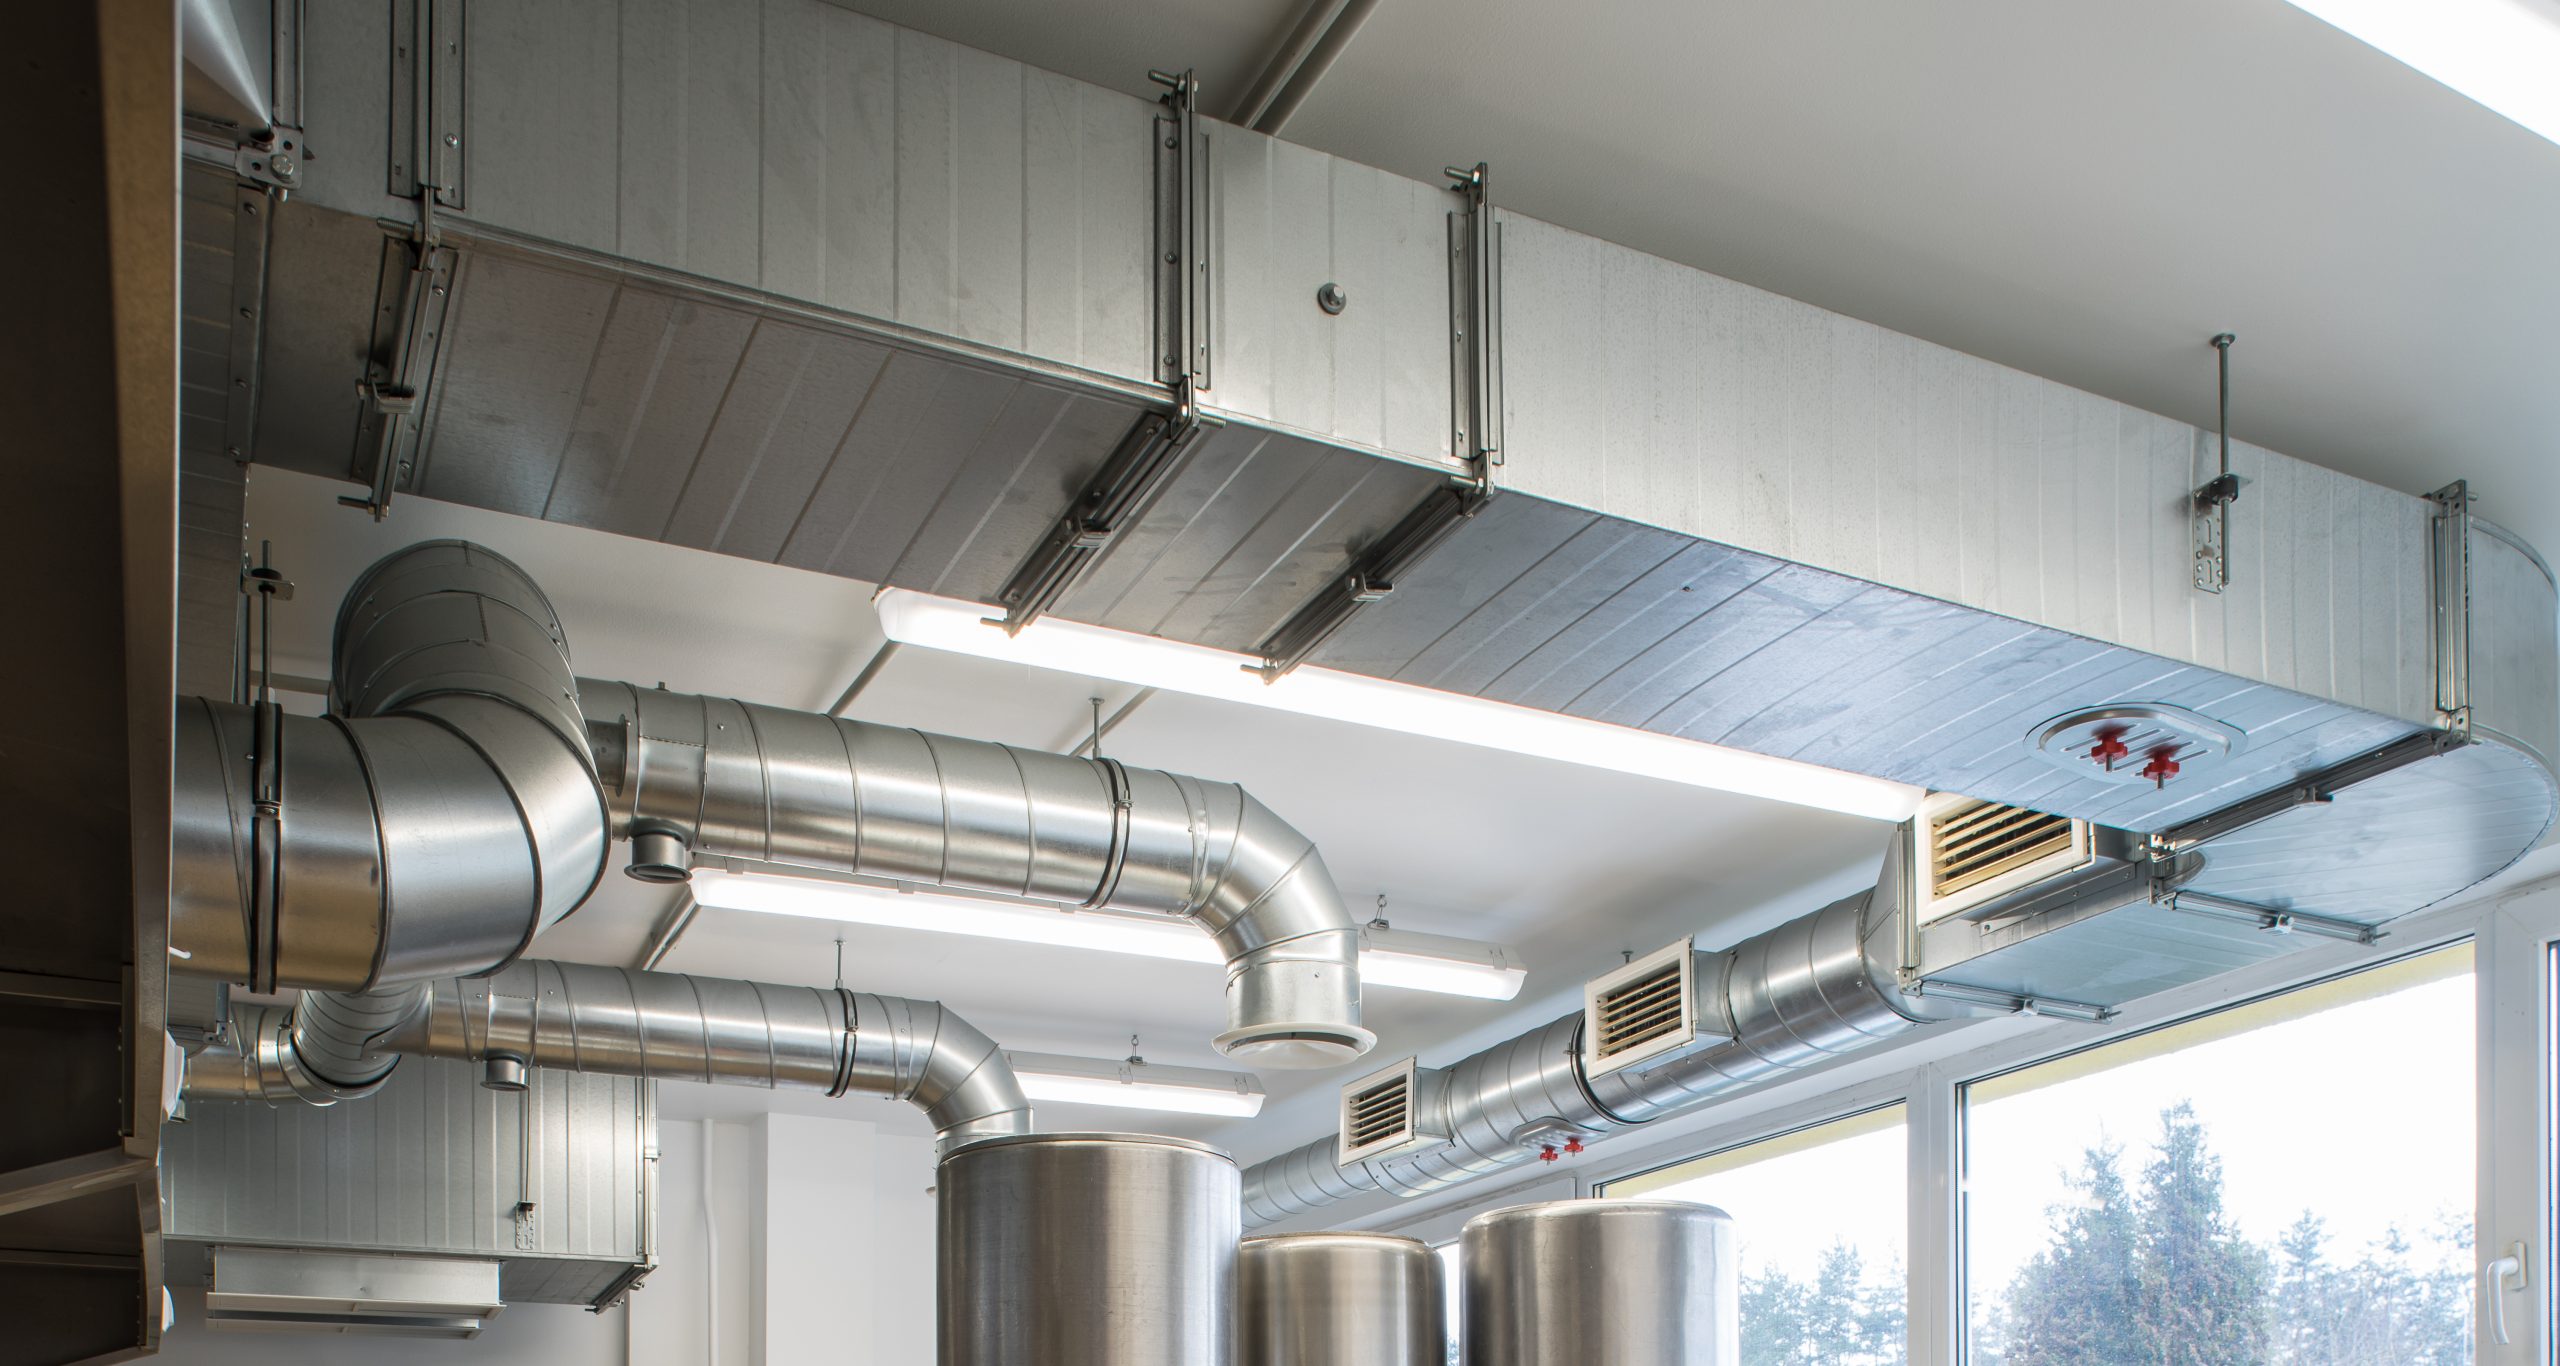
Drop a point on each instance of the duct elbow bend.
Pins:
(325, 1048)
(923, 1053)
(1293, 953)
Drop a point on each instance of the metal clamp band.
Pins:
(1116, 778)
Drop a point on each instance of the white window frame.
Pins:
(2514, 933)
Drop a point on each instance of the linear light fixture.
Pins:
(2502, 54)
(1136, 1084)
(912, 618)
(1388, 957)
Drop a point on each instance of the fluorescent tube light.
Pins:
(912, 618)
(1388, 958)
(1136, 1085)
(2503, 54)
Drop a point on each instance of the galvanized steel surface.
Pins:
(581, 1018)
(1087, 1250)
(432, 1163)
(1808, 990)
(1653, 391)
(737, 780)
(1578, 1282)
(1338, 1299)
(447, 814)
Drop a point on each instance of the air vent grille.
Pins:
(1383, 1112)
(1641, 1011)
(1638, 1012)
(1975, 842)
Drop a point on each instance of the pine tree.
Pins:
(2074, 1304)
(2201, 1288)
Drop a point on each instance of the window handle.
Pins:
(2493, 1285)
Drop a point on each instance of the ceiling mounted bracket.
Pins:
(2449, 574)
(2209, 513)
(1475, 325)
(1371, 578)
(2049, 1007)
(1182, 319)
(1117, 496)
(416, 287)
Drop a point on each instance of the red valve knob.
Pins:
(2110, 747)
(2163, 765)
(1546, 1152)
(1573, 1145)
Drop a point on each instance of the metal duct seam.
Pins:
(695, 777)
(576, 1017)
(445, 814)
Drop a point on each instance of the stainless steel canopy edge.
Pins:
(576, 1017)
(708, 777)
(1338, 1299)
(1086, 1250)
(1578, 1282)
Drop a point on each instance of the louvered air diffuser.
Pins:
(1644, 1010)
(1974, 853)
(1383, 1112)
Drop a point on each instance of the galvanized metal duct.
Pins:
(665, 1026)
(442, 817)
(706, 777)
(1814, 988)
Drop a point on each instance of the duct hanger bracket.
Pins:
(2010, 1002)
(1475, 325)
(2449, 550)
(409, 315)
(1371, 577)
(1117, 496)
(2272, 919)
(2209, 512)
(1182, 247)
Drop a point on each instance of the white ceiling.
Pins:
(1571, 866)
(2084, 189)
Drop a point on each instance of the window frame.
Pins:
(2515, 933)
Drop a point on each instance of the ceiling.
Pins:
(1570, 866)
(2083, 189)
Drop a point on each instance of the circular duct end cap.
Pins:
(1296, 1047)
(503, 1072)
(659, 856)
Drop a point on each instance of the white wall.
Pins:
(825, 1253)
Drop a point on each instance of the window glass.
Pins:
(1820, 1221)
(2289, 1181)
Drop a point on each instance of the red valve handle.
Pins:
(1546, 1152)
(1573, 1145)
(2110, 747)
(2163, 766)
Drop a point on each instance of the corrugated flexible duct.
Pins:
(665, 1026)
(1817, 987)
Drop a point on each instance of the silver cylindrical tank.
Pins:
(1088, 1250)
(1338, 1299)
(1581, 1282)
